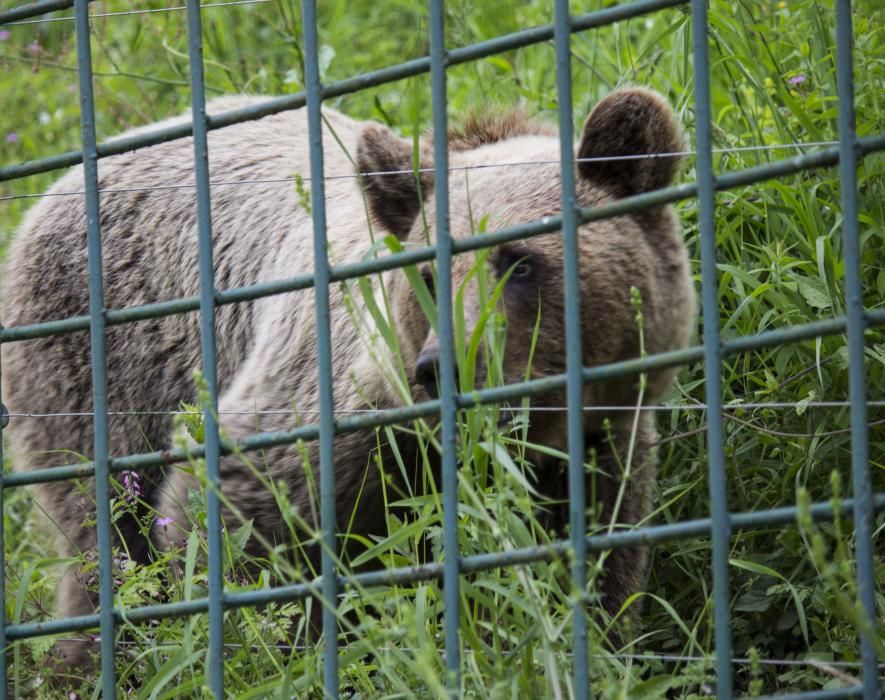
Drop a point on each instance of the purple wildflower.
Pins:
(132, 484)
(11, 137)
(797, 79)
(162, 522)
(34, 47)
(4, 35)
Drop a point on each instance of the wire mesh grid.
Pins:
(721, 526)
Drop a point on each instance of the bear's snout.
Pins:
(427, 370)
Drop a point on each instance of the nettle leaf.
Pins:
(192, 418)
(239, 537)
(815, 292)
(840, 357)
(753, 601)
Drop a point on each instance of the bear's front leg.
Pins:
(619, 491)
(619, 474)
(73, 657)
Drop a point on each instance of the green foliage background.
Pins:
(773, 78)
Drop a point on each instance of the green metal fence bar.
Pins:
(649, 535)
(375, 78)
(35, 9)
(510, 392)
(787, 166)
(98, 355)
(214, 668)
(712, 349)
(860, 470)
(574, 355)
(4, 690)
(448, 389)
(741, 178)
(324, 353)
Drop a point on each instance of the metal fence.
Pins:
(721, 525)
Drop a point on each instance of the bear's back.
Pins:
(262, 231)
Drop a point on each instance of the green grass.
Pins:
(780, 263)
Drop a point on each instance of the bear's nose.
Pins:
(427, 371)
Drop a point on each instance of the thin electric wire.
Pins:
(177, 8)
(648, 656)
(411, 171)
(527, 409)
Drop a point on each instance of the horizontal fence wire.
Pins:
(662, 408)
(414, 171)
(650, 655)
(645, 536)
(830, 694)
(147, 11)
(34, 10)
(721, 526)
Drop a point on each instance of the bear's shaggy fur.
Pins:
(267, 348)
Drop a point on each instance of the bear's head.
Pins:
(504, 171)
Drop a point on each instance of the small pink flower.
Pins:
(797, 79)
(34, 47)
(162, 522)
(4, 35)
(11, 137)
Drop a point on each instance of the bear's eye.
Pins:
(522, 270)
(516, 265)
(427, 276)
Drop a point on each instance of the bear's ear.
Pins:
(628, 122)
(394, 200)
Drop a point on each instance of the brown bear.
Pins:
(267, 348)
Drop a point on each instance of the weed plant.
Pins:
(793, 595)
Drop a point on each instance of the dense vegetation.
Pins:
(780, 263)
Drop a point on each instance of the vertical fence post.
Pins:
(215, 657)
(574, 355)
(4, 681)
(860, 470)
(98, 353)
(324, 351)
(448, 388)
(712, 350)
